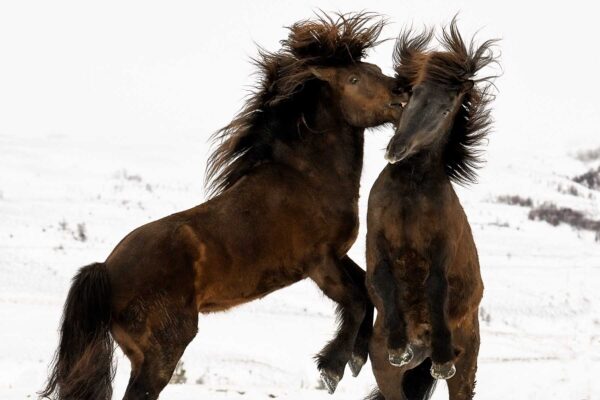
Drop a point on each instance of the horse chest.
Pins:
(338, 226)
(412, 223)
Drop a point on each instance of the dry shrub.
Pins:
(515, 200)
(556, 215)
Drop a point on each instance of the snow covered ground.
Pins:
(541, 333)
(115, 134)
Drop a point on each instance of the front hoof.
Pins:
(443, 371)
(355, 364)
(399, 358)
(330, 380)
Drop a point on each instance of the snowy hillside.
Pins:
(67, 201)
(104, 125)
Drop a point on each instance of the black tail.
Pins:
(418, 384)
(375, 395)
(82, 368)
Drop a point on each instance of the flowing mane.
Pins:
(454, 66)
(274, 110)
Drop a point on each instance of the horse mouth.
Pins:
(397, 104)
(394, 157)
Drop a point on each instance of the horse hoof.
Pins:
(355, 364)
(330, 380)
(399, 358)
(443, 371)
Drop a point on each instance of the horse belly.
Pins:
(242, 285)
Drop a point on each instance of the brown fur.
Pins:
(422, 265)
(453, 66)
(286, 181)
(284, 77)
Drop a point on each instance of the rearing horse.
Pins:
(285, 180)
(422, 264)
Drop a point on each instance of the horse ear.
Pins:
(467, 85)
(323, 73)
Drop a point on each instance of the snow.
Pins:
(105, 116)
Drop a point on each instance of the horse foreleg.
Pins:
(337, 283)
(361, 345)
(387, 290)
(442, 351)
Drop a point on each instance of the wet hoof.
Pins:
(399, 358)
(443, 371)
(356, 363)
(330, 380)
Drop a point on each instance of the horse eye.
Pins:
(446, 113)
(353, 80)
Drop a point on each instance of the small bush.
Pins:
(123, 174)
(500, 224)
(179, 374)
(589, 155)
(554, 215)
(570, 189)
(485, 316)
(590, 179)
(81, 233)
(515, 200)
(63, 225)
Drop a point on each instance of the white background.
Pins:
(105, 113)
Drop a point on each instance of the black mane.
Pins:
(454, 66)
(274, 109)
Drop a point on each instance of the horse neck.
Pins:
(424, 171)
(329, 151)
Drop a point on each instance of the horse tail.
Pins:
(418, 384)
(375, 395)
(82, 367)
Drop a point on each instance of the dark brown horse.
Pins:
(422, 265)
(285, 182)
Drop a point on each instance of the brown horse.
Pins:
(285, 182)
(422, 266)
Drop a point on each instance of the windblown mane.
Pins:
(271, 112)
(453, 67)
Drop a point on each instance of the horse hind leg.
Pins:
(388, 377)
(337, 283)
(155, 349)
(153, 374)
(361, 345)
(442, 350)
(389, 291)
(360, 353)
(462, 385)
